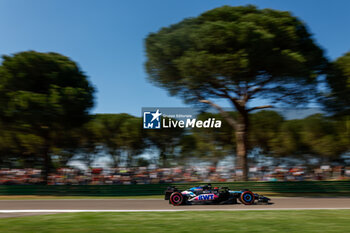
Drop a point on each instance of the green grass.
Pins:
(215, 221)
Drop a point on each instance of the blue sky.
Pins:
(106, 38)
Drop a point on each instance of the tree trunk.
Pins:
(129, 158)
(241, 143)
(47, 164)
(116, 158)
(163, 158)
(241, 130)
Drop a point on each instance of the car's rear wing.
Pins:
(169, 191)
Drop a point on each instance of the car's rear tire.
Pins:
(176, 199)
(247, 198)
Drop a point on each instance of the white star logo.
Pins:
(156, 115)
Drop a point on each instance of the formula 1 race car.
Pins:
(206, 194)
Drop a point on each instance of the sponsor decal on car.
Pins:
(206, 197)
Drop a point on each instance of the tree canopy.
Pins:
(338, 79)
(43, 94)
(236, 53)
(233, 52)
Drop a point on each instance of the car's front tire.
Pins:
(247, 198)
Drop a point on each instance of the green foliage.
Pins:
(264, 129)
(42, 97)
(132, 139)
(236, 53)
(228, 49)
(288, 142)
(323, 137)
(117, 134)
(316, 136)
(213, 144)
(107, 128)
(43, 91)
(167, 141)
(338, 79)
(87, 141)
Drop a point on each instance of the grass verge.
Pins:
(213, 221)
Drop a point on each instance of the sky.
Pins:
(106, 38)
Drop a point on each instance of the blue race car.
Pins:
(206, 194)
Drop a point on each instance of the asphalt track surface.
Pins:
(15, 208)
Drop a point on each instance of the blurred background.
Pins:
(74, 76)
